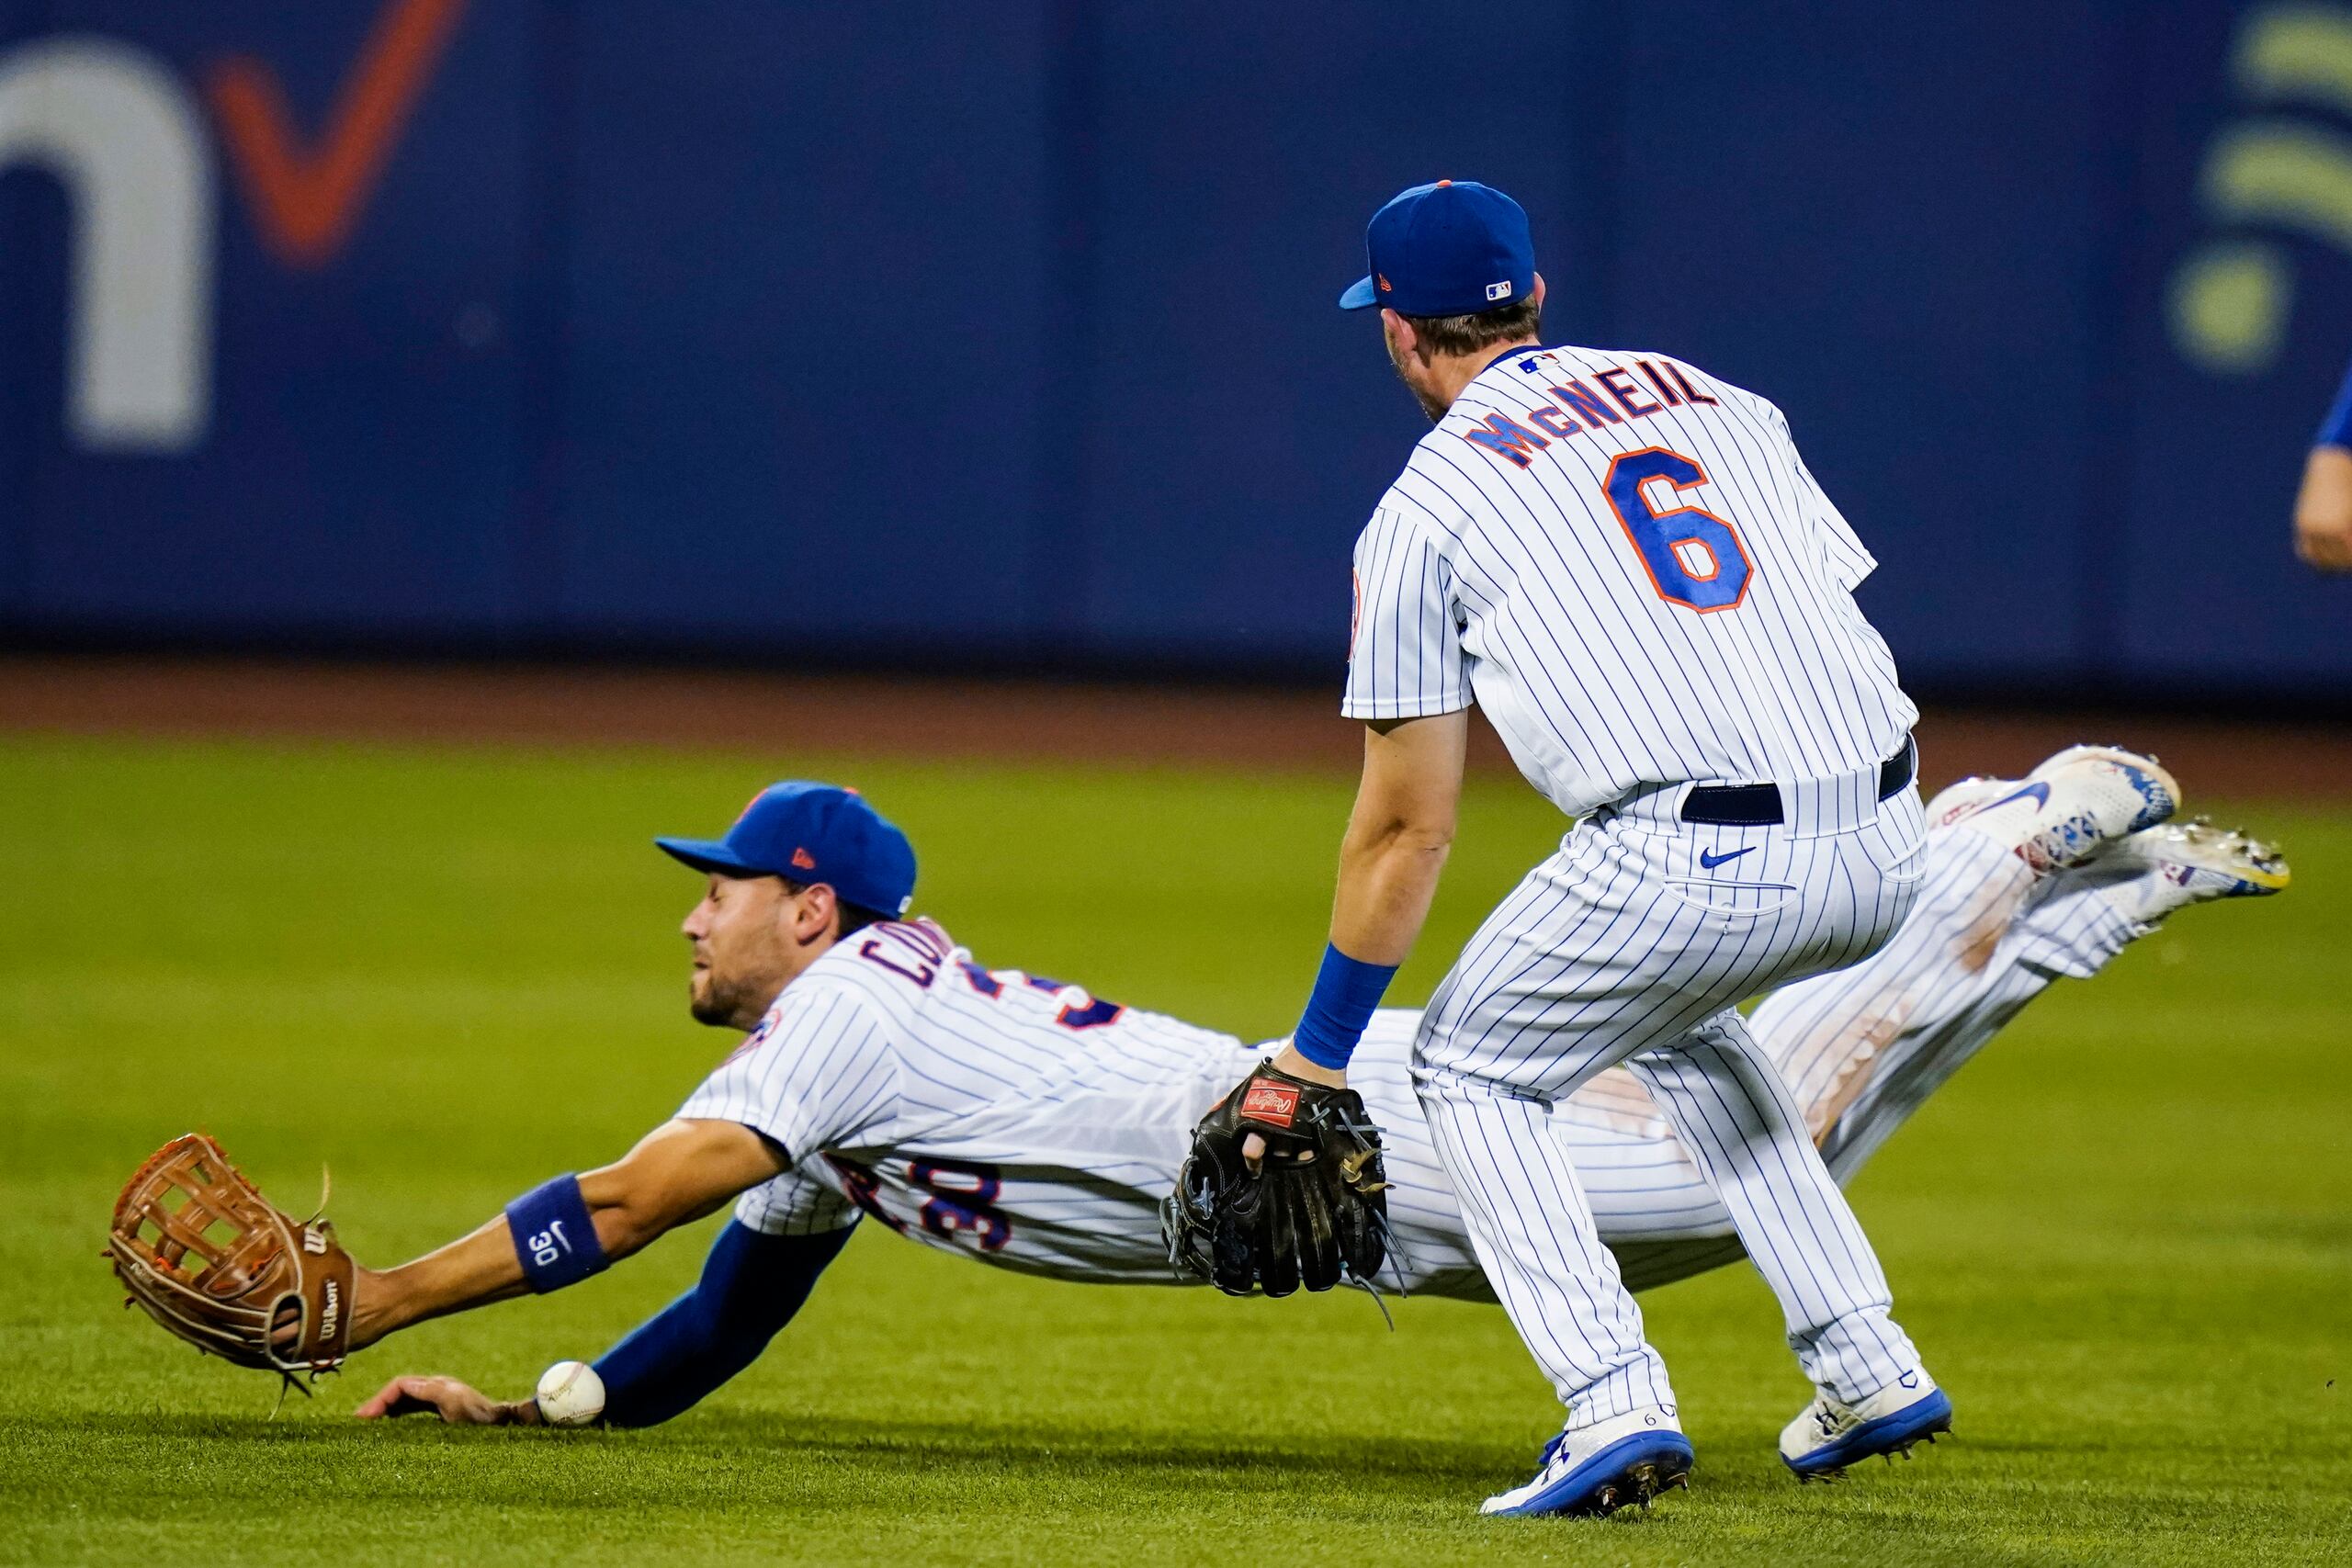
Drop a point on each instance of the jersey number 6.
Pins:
(1694, 557)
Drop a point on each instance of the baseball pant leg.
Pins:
(1535, 1238)
(1631, 944)
(1742, 1126)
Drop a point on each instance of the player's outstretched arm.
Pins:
(571, 1227)
(751, 1285)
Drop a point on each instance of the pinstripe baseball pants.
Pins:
(1632, 943)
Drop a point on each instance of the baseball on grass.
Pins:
(571, 1394)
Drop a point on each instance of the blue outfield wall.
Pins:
(1005, 333)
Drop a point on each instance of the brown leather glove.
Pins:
(217, 1264)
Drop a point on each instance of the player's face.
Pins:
(744, 948)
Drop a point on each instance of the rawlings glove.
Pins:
(1312, 1213)
(217, 1264)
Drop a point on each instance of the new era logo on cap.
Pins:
(803, 861)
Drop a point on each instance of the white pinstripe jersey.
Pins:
(984, 1112)
(984, 1124)
(978, 1121)
(1000, 1115)
(1625, 563)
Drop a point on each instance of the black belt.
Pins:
(1759, 806)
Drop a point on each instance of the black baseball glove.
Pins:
(1312, 1213)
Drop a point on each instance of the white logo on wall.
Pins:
(117, 130)
(1499, 291)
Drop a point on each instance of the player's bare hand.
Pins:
(457, 1403)
(1253, 1148)
(2324, 510)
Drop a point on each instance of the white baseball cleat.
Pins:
(1598, 1468)
(2073, 806)
(2180, 864)
(1955, 801)
(1829, 1434)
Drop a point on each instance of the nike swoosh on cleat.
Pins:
(1711, 860)
(2041, 793)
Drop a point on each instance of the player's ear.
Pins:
(1536, 293)
(1399, 331)
(814, 913)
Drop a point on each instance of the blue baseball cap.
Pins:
(1453, 248)
(812, 833)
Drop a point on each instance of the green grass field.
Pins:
(2124, 1237)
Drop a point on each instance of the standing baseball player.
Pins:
(1625, 563)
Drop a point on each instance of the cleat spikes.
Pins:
(1596, 1471)
(1827, 1438)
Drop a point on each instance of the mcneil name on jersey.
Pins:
(1613, 395)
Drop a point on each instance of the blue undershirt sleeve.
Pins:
(750, 1286)
(2337, 431)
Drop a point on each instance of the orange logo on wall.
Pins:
(123, 133)
(306, 196)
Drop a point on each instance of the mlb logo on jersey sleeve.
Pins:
(1276, 1103)
(757, 1038)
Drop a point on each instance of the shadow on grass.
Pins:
(935, 1450)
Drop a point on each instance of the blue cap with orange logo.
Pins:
(813, 832)
(1453, 248)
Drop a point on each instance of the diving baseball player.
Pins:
(1624, 562)
(1028, 1124)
